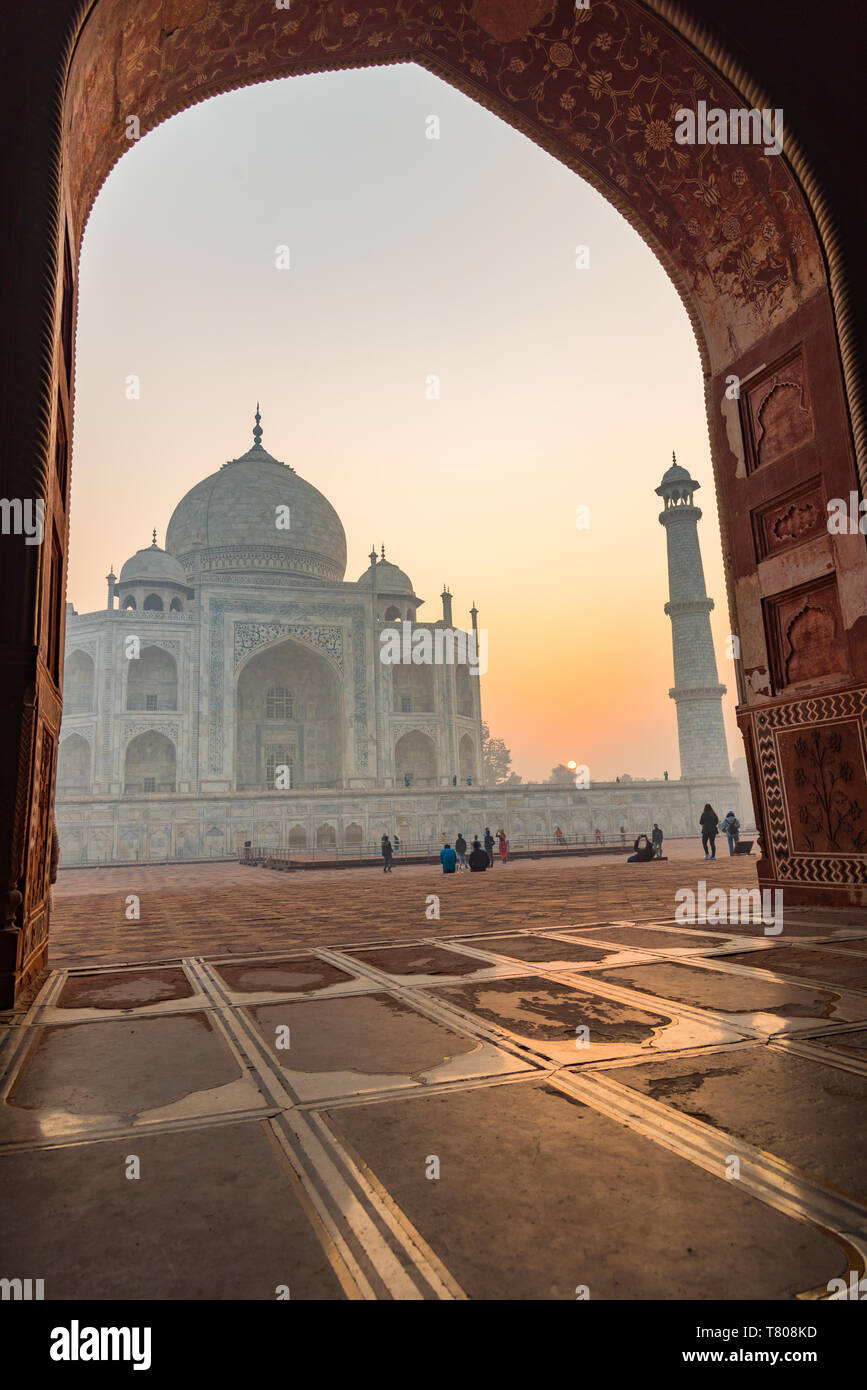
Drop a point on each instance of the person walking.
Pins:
(478, 860)
(599, 837)
(448, 859)
(387, 854)
(709, 822)
(656, 838)
(559, 837)
(461, 851)
(489, 844)
(503, 846)
(731, 827)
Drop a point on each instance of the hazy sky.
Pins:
(409, 257)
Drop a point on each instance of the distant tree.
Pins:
(513, 780)
(562, 775)
(496, 760)
(625, 777)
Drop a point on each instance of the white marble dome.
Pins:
(228, 522)
(389, 579)
(152, 566)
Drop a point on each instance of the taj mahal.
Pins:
(233, 690)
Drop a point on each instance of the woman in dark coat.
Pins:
(709, 822)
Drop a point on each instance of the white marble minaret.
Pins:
(696, 691)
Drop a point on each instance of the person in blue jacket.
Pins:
(448, 859)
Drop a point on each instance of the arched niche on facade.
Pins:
(152, 680)
(415, 759)
(302, 729)
(413, 689)
(466, 758)
(150, 764)
(73, 766)
(464, 691)
(79, 680)
(153, 604)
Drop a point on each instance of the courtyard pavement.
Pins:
(301, 1085)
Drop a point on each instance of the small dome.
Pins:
(678, 478)
(389, 579)
(153, 566)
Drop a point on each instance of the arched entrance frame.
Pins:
(309, 650)
(753, 254)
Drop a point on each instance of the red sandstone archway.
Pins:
(744, 235)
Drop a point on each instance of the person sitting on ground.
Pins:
(478, 858)
(657, 838)
(461, 851)
(643, 852)
(448, 859)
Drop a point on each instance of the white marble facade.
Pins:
(240, 650)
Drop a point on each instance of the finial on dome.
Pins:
(154, 543)
(257, 428)
(372, 556)
(383, 554)
(673, 457)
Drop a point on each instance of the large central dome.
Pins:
(255, 514)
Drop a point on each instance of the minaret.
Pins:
(111, 580)
(697, 691)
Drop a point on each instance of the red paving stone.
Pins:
(210, 909)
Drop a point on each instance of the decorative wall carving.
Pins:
(805, 635)
(260, 557)
(800, 515)
(779, 416)
(131, 730)
(597, 87)
(249, 637)
(813, 765)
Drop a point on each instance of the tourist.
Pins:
(443, 838)
(731, 829)
(643, 852)
(478, 858)
(461, 851)
(598, 837)
(559, 837)
(657, 838)
(397, 844)
(448, 859)
(489, 844)
(709, 821)
(504, 846)
(387, 852)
